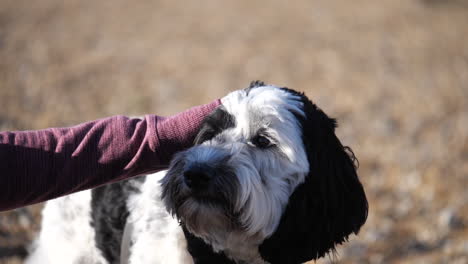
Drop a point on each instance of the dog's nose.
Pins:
(198, 177)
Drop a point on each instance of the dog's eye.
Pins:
(261, 141)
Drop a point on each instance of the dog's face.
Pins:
(252, 165)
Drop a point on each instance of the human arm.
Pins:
(39, 165)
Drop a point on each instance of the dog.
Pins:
(267, 181)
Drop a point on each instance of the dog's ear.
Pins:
(330, 205)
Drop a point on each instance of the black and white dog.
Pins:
(267, 181)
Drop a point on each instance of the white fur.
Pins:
(66, 235)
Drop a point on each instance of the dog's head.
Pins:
(267, 173)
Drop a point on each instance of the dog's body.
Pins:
(266, 182)
(67, 235)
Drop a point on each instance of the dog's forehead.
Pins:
(263, 104)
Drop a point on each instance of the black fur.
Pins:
(109, 214)
(214, 124)
(253, 85)
(331, 203)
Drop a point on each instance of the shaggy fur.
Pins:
(267, 181)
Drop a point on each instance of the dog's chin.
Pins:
(206, 217)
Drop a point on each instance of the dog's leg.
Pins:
(157, 237)
(66, 235)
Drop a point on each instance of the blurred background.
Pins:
(394, 73)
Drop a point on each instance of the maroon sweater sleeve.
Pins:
(39, 165)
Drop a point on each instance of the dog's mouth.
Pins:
(202, 209)
(211, 199)
(208, 199)
(205, 212)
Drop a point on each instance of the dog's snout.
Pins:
(198, 177)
